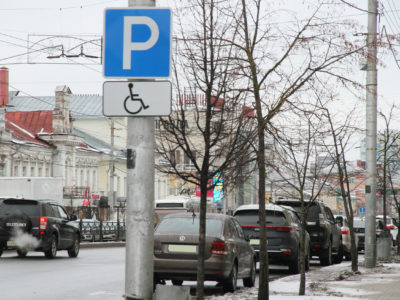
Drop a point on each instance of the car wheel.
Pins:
(52, 252)
(177, 282)
(251, 280)
(74, 250)
(294, 267)
(337, 259)
(1, 252)
(22, 252)
(347, 256)
(231, 282)
(307, 262)
(325, 258)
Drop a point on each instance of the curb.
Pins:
(102, 245)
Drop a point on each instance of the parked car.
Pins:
(90, 230)
(359, 229)
(325, 234)
(346, 238)
(228, 255)
(37, 225)
(283, 234)
(391, 226)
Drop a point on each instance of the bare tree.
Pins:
(312, 46)
(388, 155)
(298, 147)
(209, 124)
(341, 135)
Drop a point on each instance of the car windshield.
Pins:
(250, 217)
(189, 226)
(23, 207)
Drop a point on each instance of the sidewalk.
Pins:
(335, 282)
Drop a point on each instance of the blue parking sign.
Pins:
(137, 43)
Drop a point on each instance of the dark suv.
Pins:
(325, 233)
(283, 234)
(37, 225)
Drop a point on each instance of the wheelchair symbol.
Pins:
(133, 104)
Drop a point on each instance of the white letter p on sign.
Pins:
(129, 46)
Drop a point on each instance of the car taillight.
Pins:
(345, 231)
(43, 223)
(391, 227)
(281, 228)
(219, 248)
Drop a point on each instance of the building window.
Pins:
(351, 180)
(24, 171)
(15, 170)
(32, 171)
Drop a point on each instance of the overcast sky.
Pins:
(25, 22)
(30, 25)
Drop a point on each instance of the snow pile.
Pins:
(335, 282)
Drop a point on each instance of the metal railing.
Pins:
(99, 231)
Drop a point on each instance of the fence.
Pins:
(98, 231)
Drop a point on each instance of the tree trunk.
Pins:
(202, 237)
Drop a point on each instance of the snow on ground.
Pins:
(335, 282)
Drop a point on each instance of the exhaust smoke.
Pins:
(24, 240)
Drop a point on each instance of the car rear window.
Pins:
(189, 226)
(250, 217)
(15, 206)
(313, 211)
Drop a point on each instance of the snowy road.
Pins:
(96, 274)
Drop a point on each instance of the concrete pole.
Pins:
(140, 202)
(371, 117)
(111, 167)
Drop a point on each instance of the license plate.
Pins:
(16, 224)
(254, 242)
(11, 244)
(182, 248)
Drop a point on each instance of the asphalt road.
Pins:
(96, 274)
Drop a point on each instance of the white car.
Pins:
(391, 226)
(346, 239)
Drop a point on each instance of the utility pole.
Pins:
(140, 202)
(371, 117)
(111, 197)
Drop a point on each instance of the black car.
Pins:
(37, 225)
(283, 234)
(325, 233)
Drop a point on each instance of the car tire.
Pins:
(294, 267)
(52, 252)
(307, 262)
(325, 258)
(230, 283)
(337, 259)
(74, 250)
(347, 256)
(177, 282)
(1, 252)
(251, 280)
(22, 252)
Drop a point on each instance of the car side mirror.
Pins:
(73, 218)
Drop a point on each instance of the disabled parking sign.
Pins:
(137, 43)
